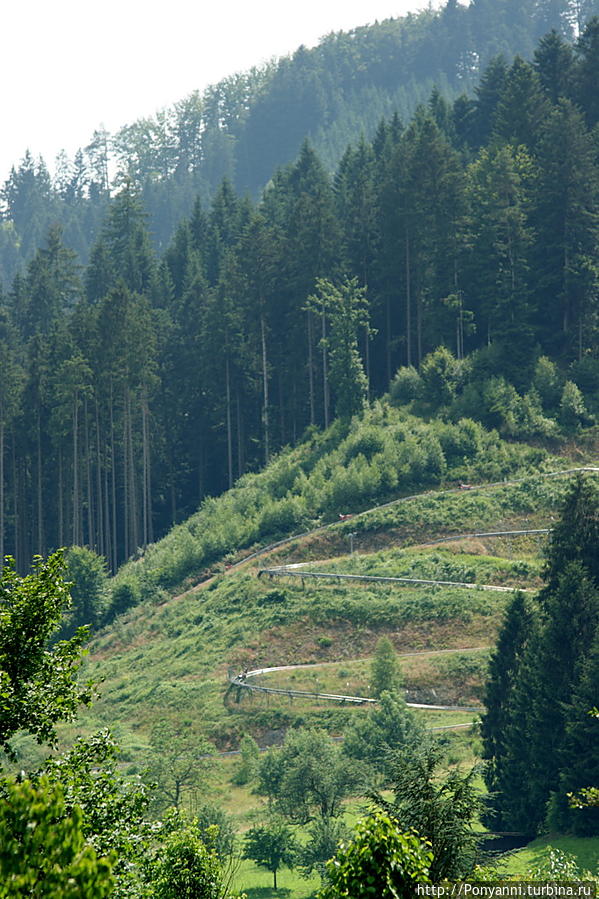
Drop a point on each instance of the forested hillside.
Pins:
(134, 388)
(249, 124)
(321, 439)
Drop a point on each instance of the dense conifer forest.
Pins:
(451, 259)
(251, 123)
(538, 729)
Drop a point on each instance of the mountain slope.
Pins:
(171, 648)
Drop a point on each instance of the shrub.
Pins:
(186, 869)
(501, 405)
(87, 571)
(585, 373)
(572, 410)
(367, 442)
(124, 596)
(406, 386)
(281, 515)
(532, 422)
(273, 596)
(43, 851)
(461, 441)
(548, 383)
(380, 862)
(440, 372)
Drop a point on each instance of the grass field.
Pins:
(584, 849)
(257, 883)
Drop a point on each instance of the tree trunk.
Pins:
(113, 486)
(566, 317)
(408, 302)
(76, 537)
(19, 509)
(91, 528)
(240, 459)
(265, 392)
(108, 550)
(60, 499)
(146, 475)
(40, 505)
(149, 472)
(388, 337)
(1, 489)
(134, 517)
(311, 370)
(229, 428)
(15, 496)
(419, 326)
(125, 478)
(100, 498)
(283, 434)
(367, 358)
(201, 464)
(325, 378)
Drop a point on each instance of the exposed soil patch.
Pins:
(303, 641)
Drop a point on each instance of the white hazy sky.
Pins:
(69, 66)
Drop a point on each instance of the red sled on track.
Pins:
(466, 486)
(345, 517)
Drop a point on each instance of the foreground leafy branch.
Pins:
(38, 686)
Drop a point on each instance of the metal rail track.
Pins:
(296, 570)
(403, 499)
(284, 571)
(485, 534)
(240, 681)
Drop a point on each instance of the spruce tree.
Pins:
(572, 616)
(11, 385)
(575, 535)
(500, 239)
(507, 723)
(488, 93)
(554, 62)
(345, 307)
(533, 705)
(385, 671)
(127, 241)
(565, 218)
(503, 668)
(587, 71)
(522, 107)
(580, 754)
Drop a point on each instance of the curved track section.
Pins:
(241, 681)
(298, 569)
(292, 571)
(590, 469)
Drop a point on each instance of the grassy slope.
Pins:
(584, 849)
(173, 650)
(383, 454)
(158, 655)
